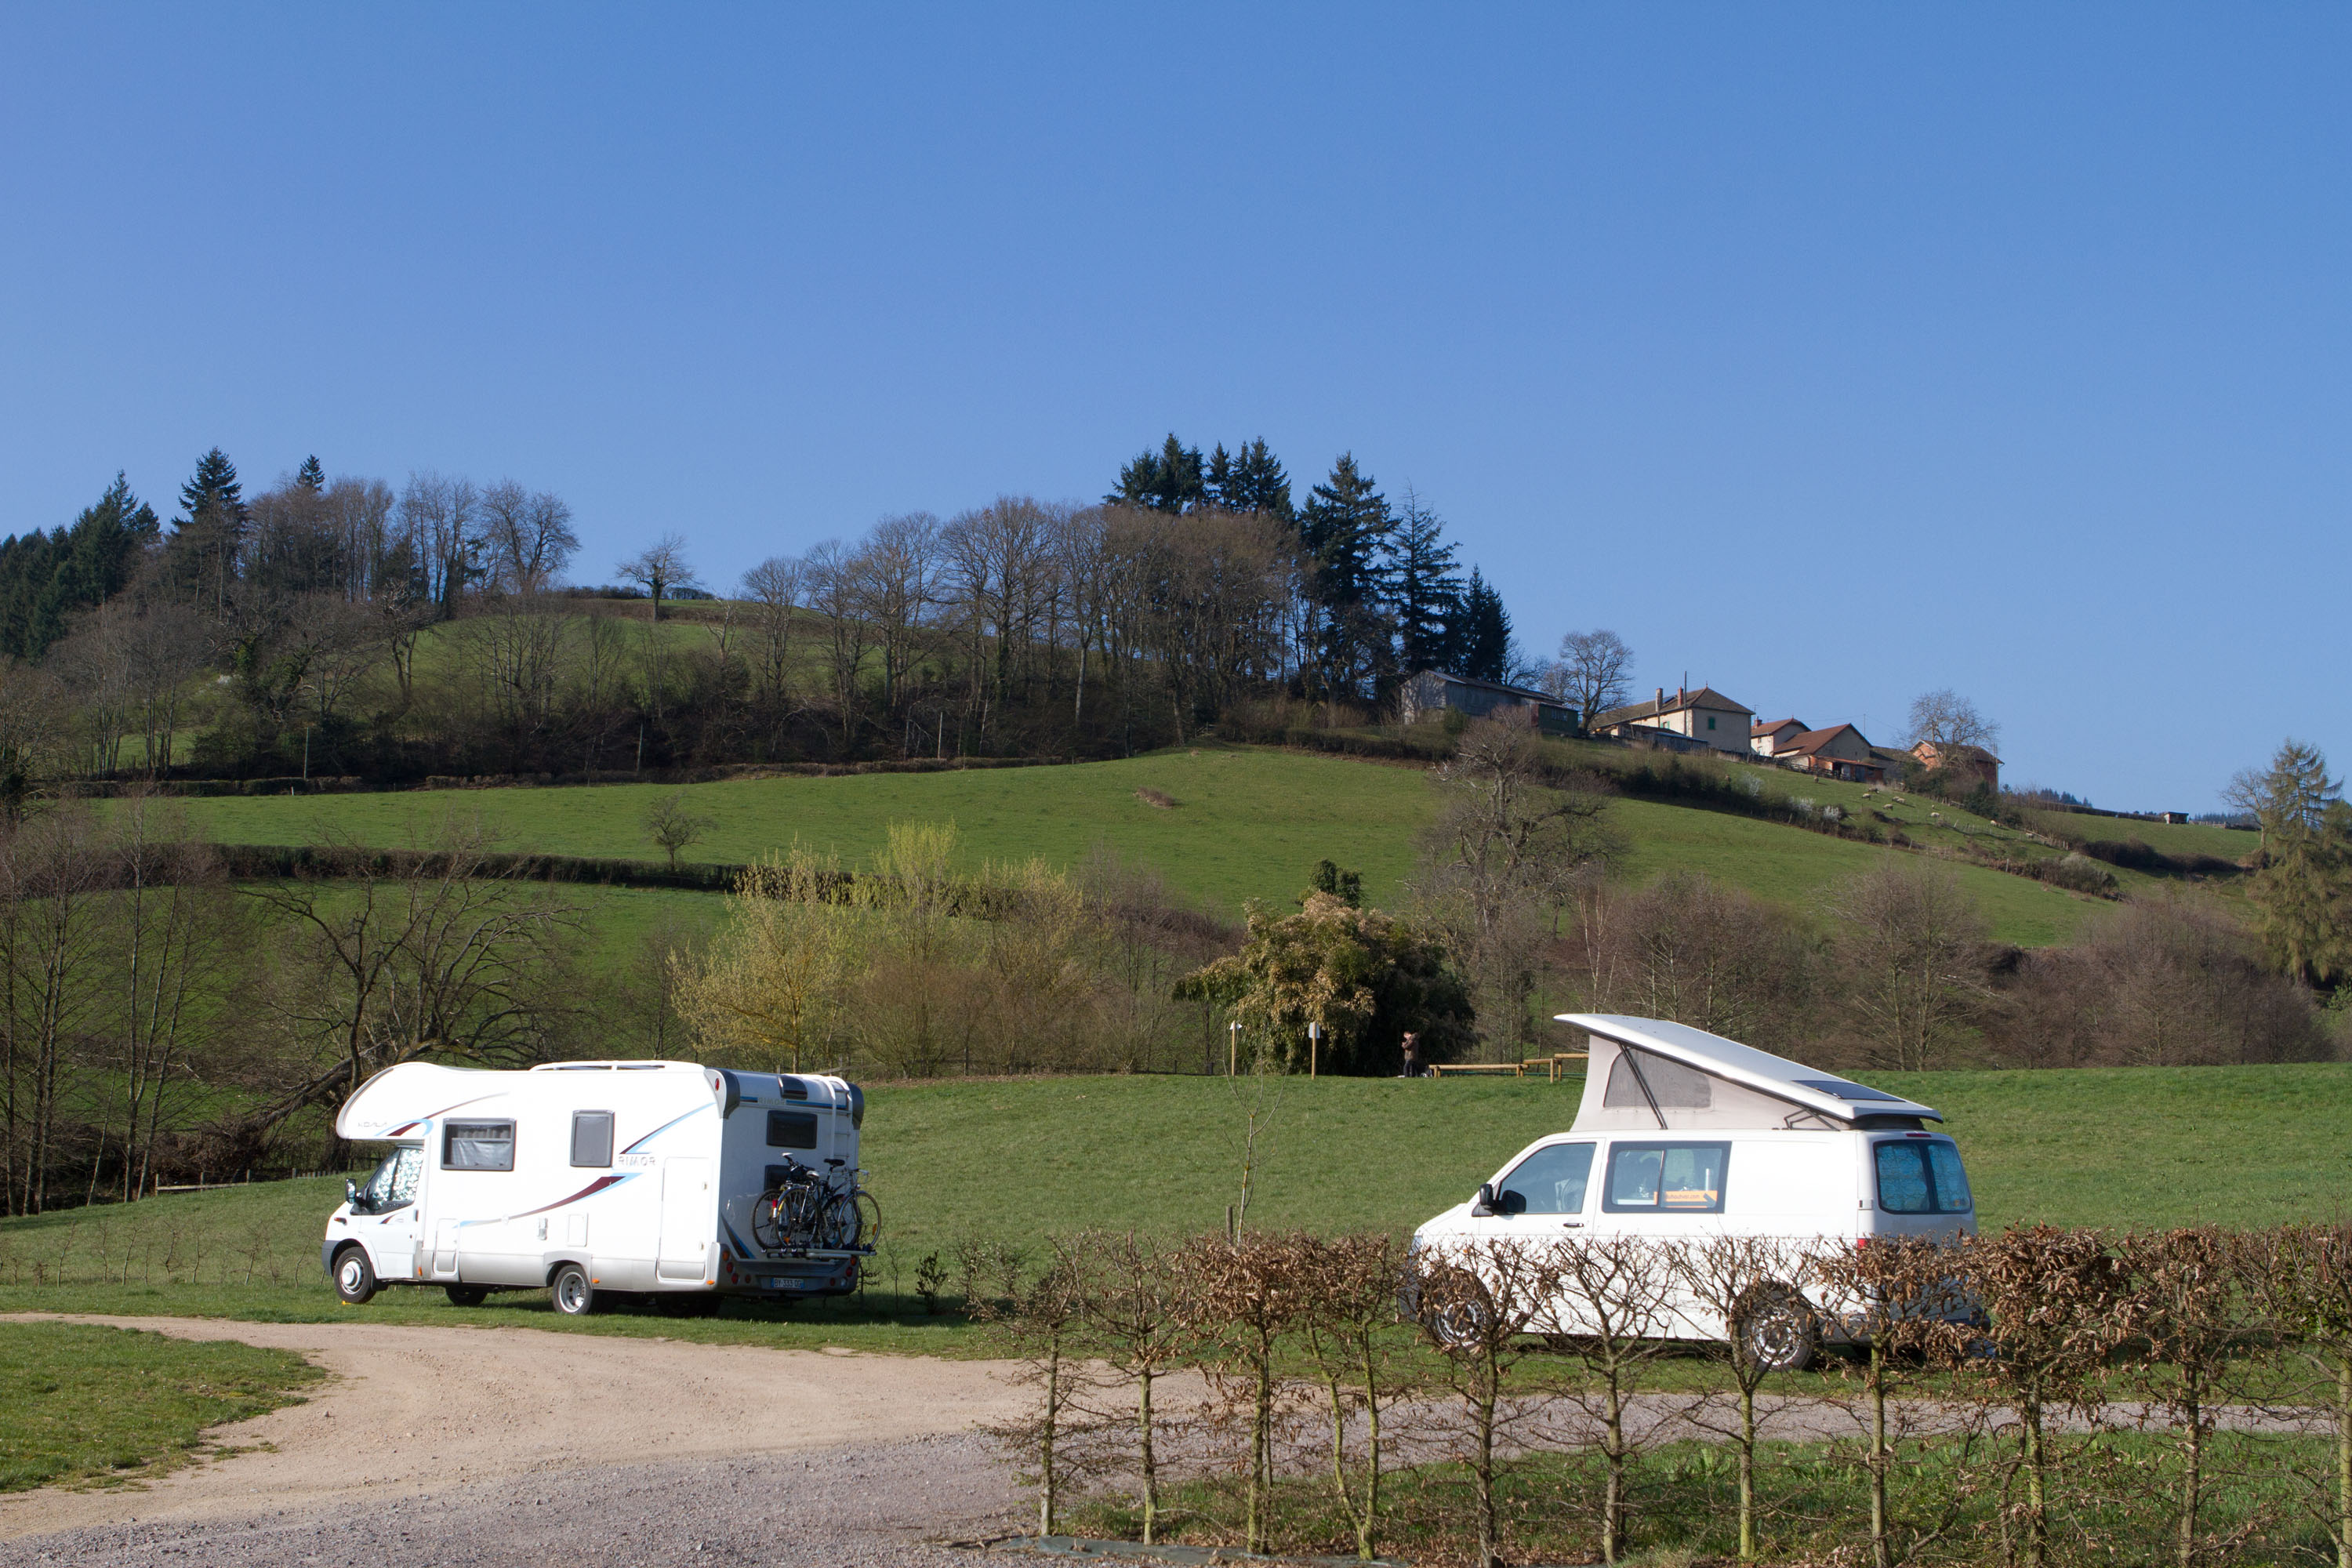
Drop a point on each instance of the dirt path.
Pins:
(414, 1411)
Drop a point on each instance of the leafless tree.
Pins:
(775, 587)
(671, 822)
(440, 521)
(1911, 939)
(1504, 857)
(1948, 718)
(1689, 948)
(361, 512)
(527, 537)
(1594, 673)
(659, 568)
(52, 984)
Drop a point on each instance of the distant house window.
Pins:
(1710, 721)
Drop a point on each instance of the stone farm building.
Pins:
(1840, 752)
(1434, 690)
(1973, 763)
(1705, 717)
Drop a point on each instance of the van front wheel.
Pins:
(1778, 1329)
(571, 1292)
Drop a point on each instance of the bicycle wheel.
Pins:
(768, 1220)
(869, 1218)
(836, 1227)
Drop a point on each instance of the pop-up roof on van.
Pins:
(1649, 1073)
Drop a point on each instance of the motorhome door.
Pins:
(687, 1220)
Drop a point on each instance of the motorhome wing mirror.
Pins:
(352, 1194)
(1484, 1206)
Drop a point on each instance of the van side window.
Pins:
(1665, 1178)
(591, 1138)
(792, 1130)
(1674, 1086)
(1915, 1176)
(478, 1146)
(1549, 1180)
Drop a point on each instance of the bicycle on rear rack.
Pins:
(810, 1211)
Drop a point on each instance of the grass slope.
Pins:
(83, 1403)
(1015, 1159)
(1249, 822)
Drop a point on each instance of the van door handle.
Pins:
(1571, 1224)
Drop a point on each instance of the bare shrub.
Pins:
(1752, 1285)
(1250, 1296)
(1614, 1306)
(1690, 949)
(1138, 1315)
(1352, 1284)
(2053, 1297)
(2185, 1307)
(1038, 1322)
(2161, 982)
(2302, 1275)
(1479, 1305)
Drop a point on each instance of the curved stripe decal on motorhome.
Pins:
(589, 1191)
(665, 1127)
(425, 1121)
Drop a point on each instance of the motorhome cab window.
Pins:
(478, 1146)
(394, 1185)
(1921, 1176)
(1665, 1178)
(592, 1137)
(1549, 1180)
(792, 1130)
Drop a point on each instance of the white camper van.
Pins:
(666, 1179)
(1682, 1135)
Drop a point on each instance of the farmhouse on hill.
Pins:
(1705, 717)
(1973, 763)
(1433, 690)
(1840, 752)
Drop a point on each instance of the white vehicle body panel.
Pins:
(644, 1172)
(1765, 1147)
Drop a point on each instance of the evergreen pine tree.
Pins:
(1422, 586)
(312, 477)
(1345, 527)
(204, 541)
(214, 486)
(1217, 479)
(1481, 637)
(1257, 483)
(1166, 480)
(47, 578)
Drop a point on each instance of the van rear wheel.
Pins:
(571, 1291)
(1778, 1330)
(467, 1295)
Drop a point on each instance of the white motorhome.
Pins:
(1682, 1135)
(635, 1177)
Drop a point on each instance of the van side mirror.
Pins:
(352, 1194)
(1483, 1206)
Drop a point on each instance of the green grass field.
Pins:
(81, 1403)
(1009, 1160)
(1249, 822)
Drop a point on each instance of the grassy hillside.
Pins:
(1015, 1159)
(1248, 822)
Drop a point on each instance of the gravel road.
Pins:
(507, 1445)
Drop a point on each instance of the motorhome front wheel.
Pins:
(354, 1275)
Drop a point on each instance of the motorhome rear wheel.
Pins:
(571, 1291)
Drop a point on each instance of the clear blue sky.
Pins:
(1826, 353)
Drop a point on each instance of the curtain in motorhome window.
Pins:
(591, 1138)
(1674, 1086)
(1667, 1178)
(478, 1146)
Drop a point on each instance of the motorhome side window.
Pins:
(592, 1137)
(1921, 1176)
(1549, 1180)
(1665, 1178)
(792, 1130)
(478, 1146)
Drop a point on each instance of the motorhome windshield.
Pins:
(394, 1185)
